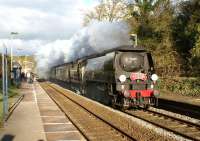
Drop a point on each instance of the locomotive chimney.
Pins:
(133, 38)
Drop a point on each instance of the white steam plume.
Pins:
(96, 37)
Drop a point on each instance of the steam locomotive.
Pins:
(123, 77)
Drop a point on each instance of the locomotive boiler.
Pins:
(123, 77)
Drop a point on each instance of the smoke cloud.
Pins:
(95, 38)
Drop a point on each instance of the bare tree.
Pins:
(107, 10)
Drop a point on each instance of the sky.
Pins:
(40, 22)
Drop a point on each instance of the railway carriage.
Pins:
(122, 77)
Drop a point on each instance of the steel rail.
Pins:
(120, 132)
(153, 118)
(70, 119)
(176, 118)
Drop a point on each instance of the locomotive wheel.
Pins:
(114, 105)
(82, 89)
(124, 108)
(114, 102)
(124, 105)
(117, 102)
(146, 106)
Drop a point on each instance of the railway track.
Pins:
(98, 122)
(96, 126)
(180, 107)
(90, 125)
(173, 124)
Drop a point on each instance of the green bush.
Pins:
(0, 84)
(182, 86)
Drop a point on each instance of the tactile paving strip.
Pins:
(56, 125)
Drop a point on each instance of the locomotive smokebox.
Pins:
(131, 61)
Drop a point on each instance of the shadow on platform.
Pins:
(7, 137)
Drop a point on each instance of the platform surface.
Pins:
(38, 118)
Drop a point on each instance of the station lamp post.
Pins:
(11, 50)
(5, 81)
(5, 76)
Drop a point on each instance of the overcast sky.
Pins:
(39, 22)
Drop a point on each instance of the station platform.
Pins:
(38, 118)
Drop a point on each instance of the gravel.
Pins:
(137, 128)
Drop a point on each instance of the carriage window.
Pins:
(66, 73)
(73, 72)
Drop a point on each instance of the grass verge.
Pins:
(13, 94)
